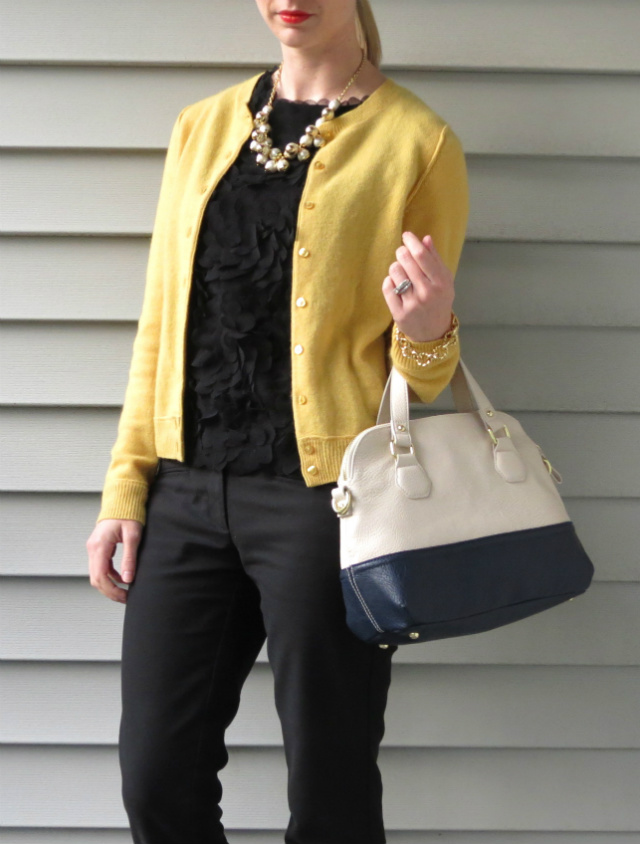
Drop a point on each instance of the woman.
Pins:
(307, 234)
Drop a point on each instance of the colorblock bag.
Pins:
(450, 524)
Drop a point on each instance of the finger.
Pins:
(427, 258)
(409, 268)
(110, 590)
(393, 300)
(427, 240)
(130, 542)
(399, 272)
(101, 553)
(114, 574)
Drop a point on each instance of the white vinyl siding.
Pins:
(525, 735)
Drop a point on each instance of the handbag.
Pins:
(450, 524)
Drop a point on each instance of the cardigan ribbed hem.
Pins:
(124, 499)
(324, 455)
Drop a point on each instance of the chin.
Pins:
(292, 38)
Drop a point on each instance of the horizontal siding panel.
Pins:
(67, 450)
(74, 278)
(552, 34)
(98, 278)
(79, 364)
(428, 706)
(134, 107)
(89, 836)
(45, 533)
(608, 529)
(522, 790)
(601, 627)
(548, 284)
(511, 197)
(555, 199)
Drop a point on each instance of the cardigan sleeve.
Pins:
(438, 205)
(133, 456)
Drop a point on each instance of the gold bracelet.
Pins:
(446, 344)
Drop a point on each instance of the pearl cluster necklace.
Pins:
(276, 160)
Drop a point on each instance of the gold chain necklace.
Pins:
(276, 160)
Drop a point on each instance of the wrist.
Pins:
(437, 335)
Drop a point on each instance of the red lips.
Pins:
(294, 16)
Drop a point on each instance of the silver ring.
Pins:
(403, 287)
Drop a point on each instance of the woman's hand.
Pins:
(101, 546)
(424, 312)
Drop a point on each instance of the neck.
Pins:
(314, 75)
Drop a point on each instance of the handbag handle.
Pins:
(468, 396)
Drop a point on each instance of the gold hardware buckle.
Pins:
(494, 439)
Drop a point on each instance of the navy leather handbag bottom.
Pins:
(464, 587)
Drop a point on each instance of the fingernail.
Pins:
(126, 576)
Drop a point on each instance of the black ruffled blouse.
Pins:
(237, 402)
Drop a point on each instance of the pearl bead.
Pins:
(306, 140)
(255, 146)
(261, 159)
(319, 142)
(282, 164)
(303, 155)
(333, 105)
(267, 109)
(276, 153)
(319, 122)
(327, 113)
(270, 166)
(311, 129)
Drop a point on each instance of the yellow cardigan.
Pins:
(388, 166)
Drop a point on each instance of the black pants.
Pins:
(224, 562)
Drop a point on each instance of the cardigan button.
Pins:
(312, 470)
(303, 253)
(298, 349)
(309, 205)
(302, 399)
(308, 448)
(318, 165)
(301, 302)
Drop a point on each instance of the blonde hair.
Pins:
(368, 34)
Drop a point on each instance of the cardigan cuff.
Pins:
(124, 499)
(427, 381)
